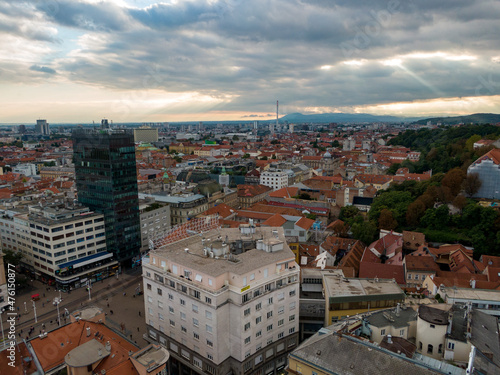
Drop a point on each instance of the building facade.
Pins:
(155, 218)
(274, 179)
(226, 304)
(61, 245)
(106, 181)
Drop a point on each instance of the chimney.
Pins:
(108, 346)
(389, 339)
(88, 331)
(473, 284)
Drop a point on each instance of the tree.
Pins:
(340, 229)
(275, 142)
(472, 184)
(246, 156)
(469, 144)
(460, 202)
(386, 220)
(263, 158)
(274, 156)
(415, 211)
(364, 231)
(393, 168)
(453, 180)
(12, 257)
(348, 212)
(335, 143)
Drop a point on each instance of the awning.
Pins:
(86, 260)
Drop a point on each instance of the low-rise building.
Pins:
(155, 219)
(346, 297)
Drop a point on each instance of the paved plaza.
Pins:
(118, 297)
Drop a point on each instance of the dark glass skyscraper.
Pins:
(106, 181)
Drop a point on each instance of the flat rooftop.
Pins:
(473, 294)
(238, 263)
(352, 289)
(86, 354)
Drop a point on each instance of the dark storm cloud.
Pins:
(42, 69)
(257, 51)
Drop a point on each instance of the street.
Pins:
(116, 296)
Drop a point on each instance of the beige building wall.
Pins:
(430, 334)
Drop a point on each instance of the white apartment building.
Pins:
(61, 245)
(276, 179)
(225, 301)
(154, 219)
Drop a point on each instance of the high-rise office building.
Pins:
(106, 181)
(42, 127)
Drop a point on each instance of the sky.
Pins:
(208, 60)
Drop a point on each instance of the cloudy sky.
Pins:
(175, 60)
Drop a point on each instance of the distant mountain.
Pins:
(476, 118)
(342, 118)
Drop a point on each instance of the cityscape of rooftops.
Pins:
(249, 187)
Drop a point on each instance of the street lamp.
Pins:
(1, 324)
(34, 309)
(25, 309)
(58, 316)
(89, 285)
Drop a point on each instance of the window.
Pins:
(196, 294)
(451, 345)
(433, 326)
(281, 322)
(280, 335)
(209, 328)
(208, 314)
(183, 316)
(195, 322)
(269, 327)
(172, 323)
(292, 305)
(150, 311)
(270, 301)
(430, 348)
(183, 329)
(196, 336)
(247, 326)
(440, 348)
(409, 276)
(247, 312)
(291, 330)
(281, 296)
(195, 308)
(416, 277)
(258, 306)
(292, 293)
(291, 318)
(159, 291)
(148, 286)
(420, 345)
(382, 332)
(247, 340)
(258, 334)
(170, 309)
(197, 362)
(258, 319)
(281, 309)
(401, 332)
(208, 300)
(170, 296)
(210, 343)
(183, 303)
(160, 316)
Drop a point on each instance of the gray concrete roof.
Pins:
(433, 315)
(86, 354)
(484, 335)
(384, 318)
(240, 263)
(346, 355)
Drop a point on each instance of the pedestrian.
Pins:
(124, 294)
(139, 313)
(17, 308)
(137, 329)
(108, 304)
(111, 312)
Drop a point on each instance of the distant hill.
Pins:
(476, 118)
(342, 118)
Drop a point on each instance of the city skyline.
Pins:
(139, 60)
